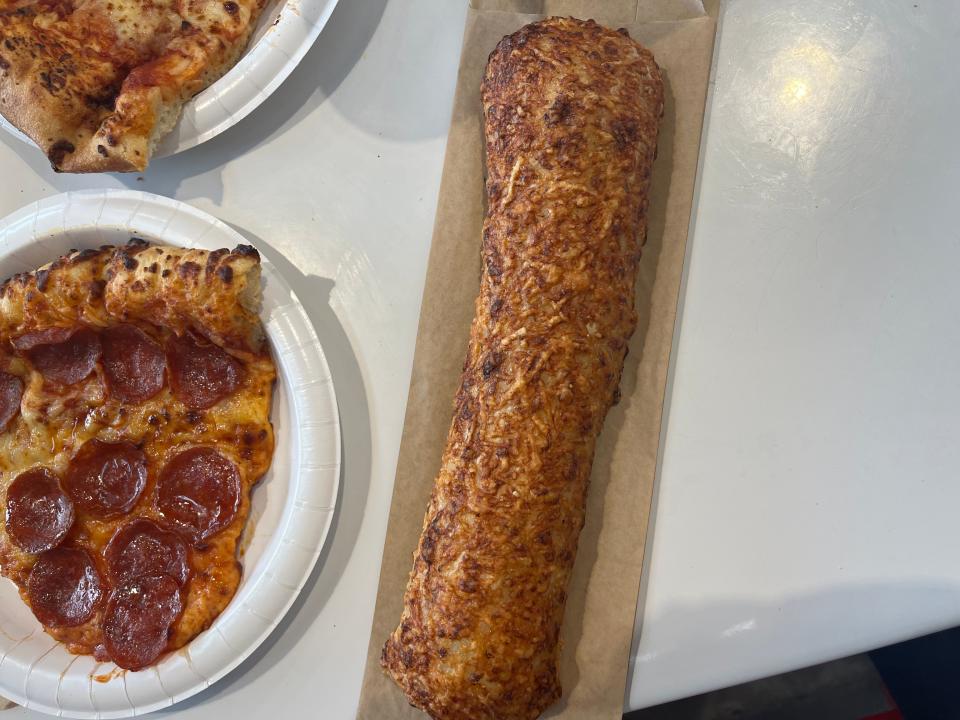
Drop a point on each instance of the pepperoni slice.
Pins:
(133, 363)
(106, 479)
(11, 391)
(142, 548)
(199, 492)
(137, 621)
(64, 587)
(62, 355)
(39, 513)
(35, 338)
(202, 375)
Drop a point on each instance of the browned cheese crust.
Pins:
(98, 83)
(103, 288)
(183, 289)
(571, 117)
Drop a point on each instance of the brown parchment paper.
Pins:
(599, 619)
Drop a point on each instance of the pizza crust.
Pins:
(98, 86)
(214, 293)
(69, 289)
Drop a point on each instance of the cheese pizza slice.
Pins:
(96, 84)
(135, 392)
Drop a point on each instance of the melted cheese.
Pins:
(55, 421)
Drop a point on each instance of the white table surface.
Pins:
(809, 484)
(807, 497)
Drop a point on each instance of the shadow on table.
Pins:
(314, 293)
(322, 70)
(384, 95)
(837, 690)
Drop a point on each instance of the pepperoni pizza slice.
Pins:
(135, 390)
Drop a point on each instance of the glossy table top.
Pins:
(805, 503)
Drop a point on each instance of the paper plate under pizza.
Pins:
(169, 452)
(121, 127)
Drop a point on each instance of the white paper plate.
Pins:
(292, 506)
(285, 31)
